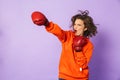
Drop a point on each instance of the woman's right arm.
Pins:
(40, 19)
(57, 31)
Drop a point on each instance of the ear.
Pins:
(85, 29)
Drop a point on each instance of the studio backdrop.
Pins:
(28, 52)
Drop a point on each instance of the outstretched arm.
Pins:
(40, 19)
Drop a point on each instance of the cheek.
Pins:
(74, 27)
(80, 28)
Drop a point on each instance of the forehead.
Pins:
(79, 21)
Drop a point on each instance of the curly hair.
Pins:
(88, 22)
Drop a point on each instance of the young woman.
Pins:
(76, 46)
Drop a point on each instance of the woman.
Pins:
(76, 46)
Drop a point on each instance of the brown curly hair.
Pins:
(88, 22)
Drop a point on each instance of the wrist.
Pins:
(46, 22)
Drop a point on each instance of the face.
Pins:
(79, 27)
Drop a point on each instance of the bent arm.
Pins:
(83, 57)
(88, 54)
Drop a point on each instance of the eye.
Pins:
(79, 25)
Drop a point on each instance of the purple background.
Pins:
(28, 52)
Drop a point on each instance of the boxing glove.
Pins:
(79, 42)
(39, 18)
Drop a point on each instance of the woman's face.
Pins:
(79, 27)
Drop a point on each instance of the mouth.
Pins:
(75, 30)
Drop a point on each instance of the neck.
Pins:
(78, 34)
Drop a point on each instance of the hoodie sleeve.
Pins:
(83, 58)
(57, 31)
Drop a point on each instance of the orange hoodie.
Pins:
(73, 65)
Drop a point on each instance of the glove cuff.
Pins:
(46, 22)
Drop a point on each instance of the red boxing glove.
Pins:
(79, 42)
(39, 18)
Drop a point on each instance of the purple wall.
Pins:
(28, 52)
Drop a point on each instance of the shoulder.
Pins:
(90, 44)
(69, 32)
